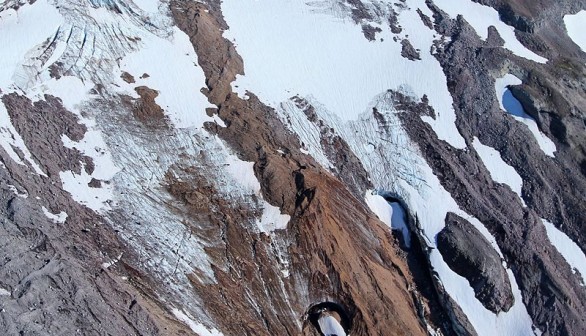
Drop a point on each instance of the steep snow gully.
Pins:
(272, 167)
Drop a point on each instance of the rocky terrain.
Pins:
(253, 168)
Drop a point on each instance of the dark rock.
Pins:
(408, 51)
(470, 255)
(370, 31)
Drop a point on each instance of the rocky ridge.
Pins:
(177, 244)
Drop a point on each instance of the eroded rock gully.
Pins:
(343, 255)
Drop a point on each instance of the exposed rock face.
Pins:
(469, 254)
(547, 182)
(295, 183)
(408, 51)
(114, 220)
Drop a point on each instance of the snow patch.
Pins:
(57, 218)
(329, 326)
(10, 138)
(196, 327)
(499, 170)
(481, 17)
(576, 26)
(567, 248)
(4, 292)
(97, 199)
(272, 219)
(390, 213)
(510, 104)
(243, 174)
(17, 192)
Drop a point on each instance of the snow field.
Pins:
(339, 67)
(171, 66)
(150, 6)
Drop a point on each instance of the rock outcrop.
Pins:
(469, 254)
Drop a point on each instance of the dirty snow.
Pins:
(329, 326)
(510, 104)
(576, 26)
(338, 67)
(481, 17)
(56, 218)
(567, 248)
(196, 327)
(499, 170)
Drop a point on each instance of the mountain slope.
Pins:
(218, 168)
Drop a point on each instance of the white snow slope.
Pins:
(576, 26)
(283, 57)
(499, 170)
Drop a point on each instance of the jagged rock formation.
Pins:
(153, 182)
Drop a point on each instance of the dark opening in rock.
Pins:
(329, 310)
